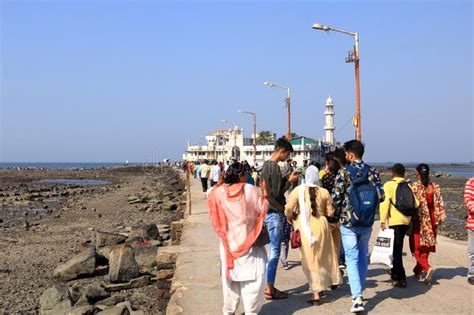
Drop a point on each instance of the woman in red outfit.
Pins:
(425, 223)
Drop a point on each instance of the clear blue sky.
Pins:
(120, 80)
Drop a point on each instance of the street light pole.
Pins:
(353, 56)
(254, 133)
(288, 104)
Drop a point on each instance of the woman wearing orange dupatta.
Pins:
(425, 222)
(237, 211)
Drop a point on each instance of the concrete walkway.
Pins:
(197, 288)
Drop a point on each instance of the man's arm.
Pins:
(339, 191)
(385, 205)
(374, 177)
(469, 197)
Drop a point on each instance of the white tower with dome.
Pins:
(329, 127)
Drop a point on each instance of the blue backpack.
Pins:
(363, 197)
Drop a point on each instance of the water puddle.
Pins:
(74, 182)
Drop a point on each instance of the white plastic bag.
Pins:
(382, 253)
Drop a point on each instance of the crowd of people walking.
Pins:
(328, 213)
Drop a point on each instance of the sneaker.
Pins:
(429, 276)
(470, 280)
(285, 267)
(357, 305)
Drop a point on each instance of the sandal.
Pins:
(277, 295)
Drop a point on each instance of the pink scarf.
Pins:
(237, 212)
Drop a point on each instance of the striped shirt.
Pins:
(469, 201)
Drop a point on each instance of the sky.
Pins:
(109, 81)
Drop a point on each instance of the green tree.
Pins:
(265, 137)
(294, 135)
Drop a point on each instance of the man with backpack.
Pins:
(356, 195)
(398, 208)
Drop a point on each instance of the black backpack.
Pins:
(405, 200)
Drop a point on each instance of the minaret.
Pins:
(329, 127)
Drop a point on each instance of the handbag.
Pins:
(295, 239)
(263, 238)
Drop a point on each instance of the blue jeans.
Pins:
(355, 241)
(274, 222)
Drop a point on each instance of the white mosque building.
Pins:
(226, 144)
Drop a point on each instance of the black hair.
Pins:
(329, 156)
(398, 169)
(340, 156)
(333, 166)
(235, 170)
(312, 199)
(356, 147)
(424, 171)
(284, 144)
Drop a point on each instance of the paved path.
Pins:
(198, 290)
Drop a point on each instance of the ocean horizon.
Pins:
(457, 169)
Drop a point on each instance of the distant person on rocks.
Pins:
(356, 221)
(469, 201)
(215, 173)
(398, 218)
(237, 212)
(425, 222)
(275, 218)
(205, 172)
(308, 206)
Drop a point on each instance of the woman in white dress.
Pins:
(237, 211)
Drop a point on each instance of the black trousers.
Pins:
(398, 272)
(204, 184)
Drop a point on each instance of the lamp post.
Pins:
(234, 149)
(288, 104)
(254, 133)
(353, 56)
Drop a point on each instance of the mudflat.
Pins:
(49, 216)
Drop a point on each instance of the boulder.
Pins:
(133, 284)
(147, 232)
(165, 260)
(108, 239)
(119, 309)
(54, 296)
(145, 256)
(122, 264)
(95, 292)
(80, 265)
(113, 300)
(165, 274)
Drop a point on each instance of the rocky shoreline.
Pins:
(102, 249)
(86, 248)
